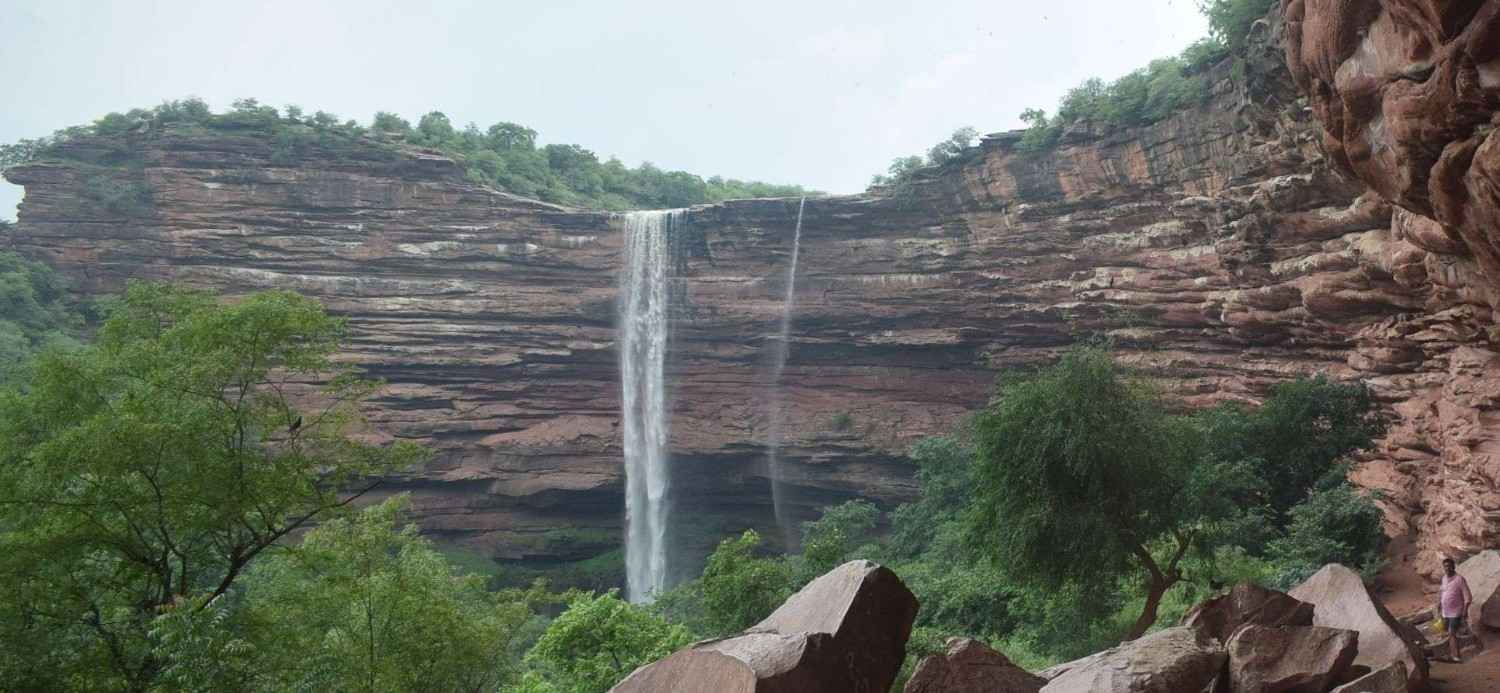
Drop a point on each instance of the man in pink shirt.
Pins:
(1454, 599)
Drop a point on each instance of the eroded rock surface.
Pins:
(1172, 660)
(845, 631)
(1391, 679)
(1407, 92)
(1341, 600)
(1289, 659)
(1247, 604)
(970, 666)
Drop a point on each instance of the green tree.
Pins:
(739, 588)
(1229, 21)
(36, 313)
(834, 538)
(156, 464)
(1297, 438)
(1335, 525)
(386, 122)
(365, 604)
(598, 641)
(1082, 477)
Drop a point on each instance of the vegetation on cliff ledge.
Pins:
(504, 155)
(1147, 95)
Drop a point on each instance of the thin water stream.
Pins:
(776, 401)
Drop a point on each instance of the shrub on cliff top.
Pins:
(1156, 91)
(505, 155)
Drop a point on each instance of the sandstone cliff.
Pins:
(1220, 248)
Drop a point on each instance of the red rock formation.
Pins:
(1289, 659)
(1219, 248)
(1341, 600)
(1244, 605)
(1407, 92)
(845, 631)
(969, 666)
(1173, 660)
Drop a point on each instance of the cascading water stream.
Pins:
(775, 400)
(643, 331)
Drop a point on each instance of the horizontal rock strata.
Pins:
(1219, 248)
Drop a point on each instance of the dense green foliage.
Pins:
(1156, 91)
(898, 178)
(1082, 477)
(154, 483)
(596, 642)
(36, 313)
(504, 155)
(1078, 508)
(1229, 20)
(1144, 96)
(360, 603)
(154, 466)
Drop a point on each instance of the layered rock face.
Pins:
(1407, 92)
(1219, 248)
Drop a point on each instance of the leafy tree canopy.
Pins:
(36, 313)
(156, 464)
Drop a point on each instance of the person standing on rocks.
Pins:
(1454, 599)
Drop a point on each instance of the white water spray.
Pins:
(775, 400)
(642, 338)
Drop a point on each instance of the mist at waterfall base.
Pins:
(643, 333)
(775, 402)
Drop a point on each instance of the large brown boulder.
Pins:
(1482, 570)
(1173, 660)
(1391, 679)
(1289, 659)
(845, 631)
(1246, 604)
(969, 666)
(1341, 600)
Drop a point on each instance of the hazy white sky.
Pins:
(818, 92)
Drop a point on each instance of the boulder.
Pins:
(969, 666)
(845, 631)
(1247, 603)
(1168, 661)
(1391, 679)
(1289, 659)
(1341, 600)
(1482, 570)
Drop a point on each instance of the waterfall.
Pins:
(643, 315)
(775, 400)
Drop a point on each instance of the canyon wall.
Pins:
(1221, 249)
